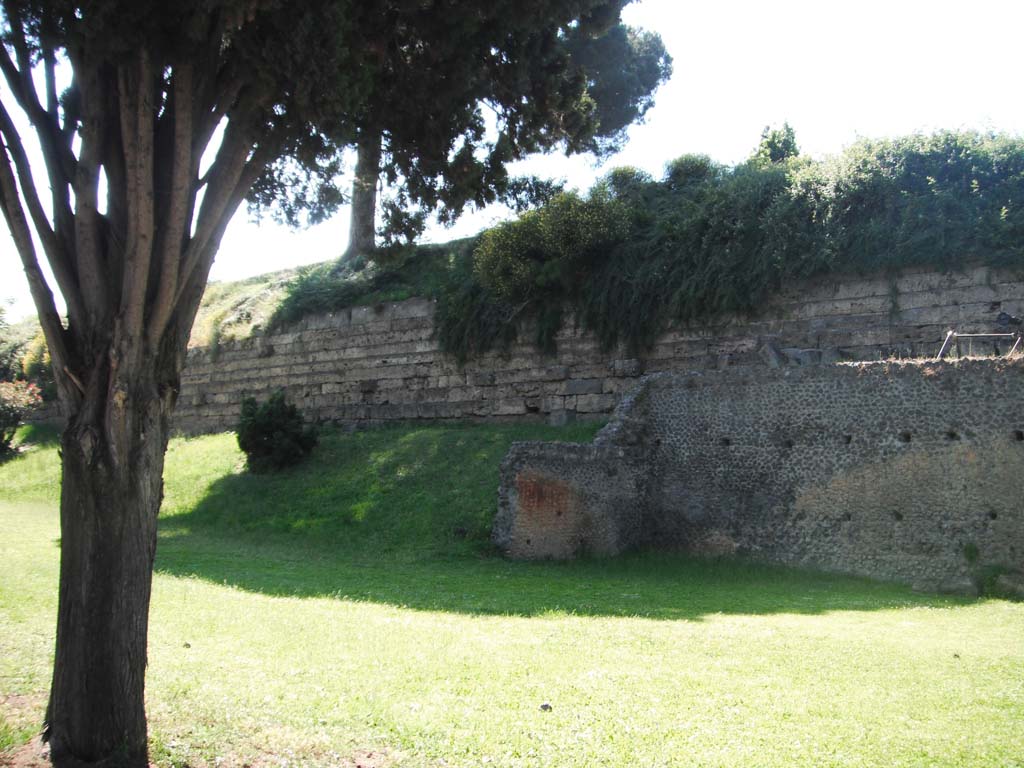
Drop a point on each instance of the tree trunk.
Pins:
(112, 460)
(362, 230)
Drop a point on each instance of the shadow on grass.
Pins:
(402, 517)
(655, 585)
(42, 435)
(30, 437)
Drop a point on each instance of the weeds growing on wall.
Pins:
(395, 274)
(635, 254)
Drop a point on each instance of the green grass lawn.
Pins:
(352, 611)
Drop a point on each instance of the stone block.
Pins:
(595, 403)
(413, 308)
(802, 356)
(630, 367)
(583, 387)
(556, 372)
(510, 407)
(552, 403)
(481, 378)
(560, 418)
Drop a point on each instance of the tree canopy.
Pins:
(443, 125)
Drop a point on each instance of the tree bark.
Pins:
(112, 460)
(362, 230)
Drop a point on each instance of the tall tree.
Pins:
(777, 144)
(133, 221)
(423, 127)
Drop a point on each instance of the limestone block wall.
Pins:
(371, 365)
(909, 472)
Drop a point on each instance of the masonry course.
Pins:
(325, 363)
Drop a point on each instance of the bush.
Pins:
(16, 399)
(272, 434)
(8, 350)
(37, 368)
(537, 263)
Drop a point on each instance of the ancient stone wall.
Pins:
(904, 471)
(370, 365)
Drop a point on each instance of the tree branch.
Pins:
(63, 268)
(72, 111)
(42, 297)
(199, 257)
(19, 78)
(175, 219)
(57, 155)
(50, 67)
(224, 176)
(89, 245)
(136, 92)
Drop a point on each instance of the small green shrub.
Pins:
(16, 399)
(272, 434)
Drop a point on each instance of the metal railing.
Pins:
(953, 338)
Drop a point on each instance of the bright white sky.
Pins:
(835, 71)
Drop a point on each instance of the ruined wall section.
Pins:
(907, 472)
(373, 365)
(564, 500)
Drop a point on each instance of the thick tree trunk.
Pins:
(362, 230)
(110, 497)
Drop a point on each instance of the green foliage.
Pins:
(37, 368)
(578, 88)
(9, 349)
(636, 255)
(624, 68)
(777, 144)
(16, 399)
(469, 319)
(394, 274)
(272, 434)
(537, 262)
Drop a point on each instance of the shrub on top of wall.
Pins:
(636, 254)
(272, 434)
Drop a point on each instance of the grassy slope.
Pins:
(231, 309)
(352, 605)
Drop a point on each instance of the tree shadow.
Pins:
(40, 434)
(402, 518)
(31, 437)
(654, 585)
